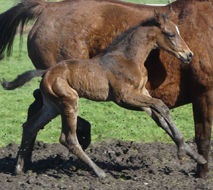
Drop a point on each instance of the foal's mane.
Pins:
(149, 22)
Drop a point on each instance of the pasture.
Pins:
(107, 119)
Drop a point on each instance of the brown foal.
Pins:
(117, 74)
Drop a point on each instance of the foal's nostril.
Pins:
(190, 56)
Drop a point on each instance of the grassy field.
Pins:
(107, 119)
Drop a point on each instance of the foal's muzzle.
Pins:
(186, 58)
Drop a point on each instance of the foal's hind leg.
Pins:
(83, 126)
(67, 103)
(30, 129)
(32, 110)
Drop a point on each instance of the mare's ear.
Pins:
(169, 11)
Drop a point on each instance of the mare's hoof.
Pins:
(204, 175)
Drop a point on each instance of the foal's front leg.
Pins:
(163, 124)
(135, 100)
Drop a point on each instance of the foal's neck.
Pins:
(139, 43)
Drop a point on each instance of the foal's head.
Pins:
(169, 39)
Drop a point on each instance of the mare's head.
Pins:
(169, 39)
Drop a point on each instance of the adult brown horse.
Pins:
(117, 75)
(81, 29)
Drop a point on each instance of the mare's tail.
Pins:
(10, 20)
(22, 79)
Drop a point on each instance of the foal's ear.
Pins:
(156, 14)
(161, 19)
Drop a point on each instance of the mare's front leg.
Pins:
(203, 114)
(30, 130)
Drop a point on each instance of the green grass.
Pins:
(6, 4)
(107, 119)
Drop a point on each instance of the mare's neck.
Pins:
(137, 46)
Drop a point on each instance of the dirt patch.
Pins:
(129, 165)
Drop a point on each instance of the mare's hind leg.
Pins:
(30, 130)
(66, 100)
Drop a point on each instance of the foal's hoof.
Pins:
(181, 154)
(201, 160)
(99, 172)
(18, 170)
(102, 174)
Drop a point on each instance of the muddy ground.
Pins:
(129, 165)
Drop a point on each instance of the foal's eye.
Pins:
(170, 35)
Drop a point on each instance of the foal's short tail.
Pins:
(10, 20)
(22, 79)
